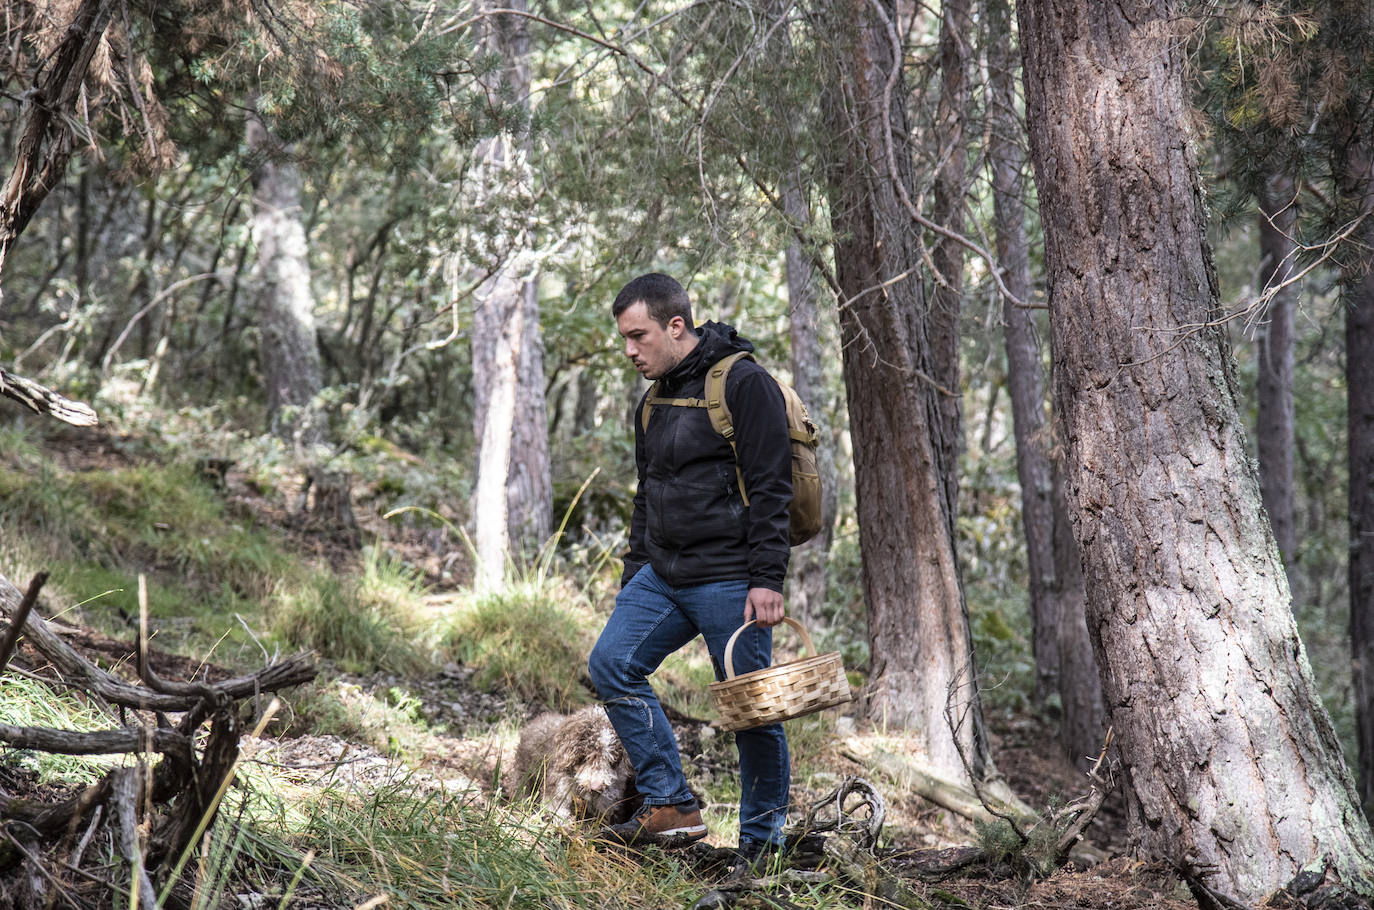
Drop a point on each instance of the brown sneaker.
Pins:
(666, 826)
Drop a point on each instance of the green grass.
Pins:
(161, 517)
(27, 702)
(530, 640)
(361, 624)
(435, 850)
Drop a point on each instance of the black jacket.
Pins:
(690, 522)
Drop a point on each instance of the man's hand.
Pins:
(765, 606)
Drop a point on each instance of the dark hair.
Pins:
(662, 296)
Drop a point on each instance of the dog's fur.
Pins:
(576, 763)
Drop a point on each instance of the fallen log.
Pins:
(908, 774)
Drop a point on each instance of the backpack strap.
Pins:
(719, 411)
(653, 398)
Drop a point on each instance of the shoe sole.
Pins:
(674, 839)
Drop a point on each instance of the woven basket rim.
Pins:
(800, 665)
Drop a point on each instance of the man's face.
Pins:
(655, 349)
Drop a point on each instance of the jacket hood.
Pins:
(715, 340)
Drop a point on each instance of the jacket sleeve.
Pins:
(637, 555)
(764, 455)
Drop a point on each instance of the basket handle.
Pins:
(730, 645)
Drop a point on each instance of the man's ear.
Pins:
(676, 326)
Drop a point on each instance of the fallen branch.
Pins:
(911, 775)
(125, 799)
(103, 742)
(80, 673)
(155, 812)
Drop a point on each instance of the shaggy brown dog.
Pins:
(577, 764)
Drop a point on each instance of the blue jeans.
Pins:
(652, 620)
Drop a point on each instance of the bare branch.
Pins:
(125, 796)
(21, 616)
(915, 213)
(75, 670)
(103, 742)
(42, 400)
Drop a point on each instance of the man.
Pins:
(700, 561)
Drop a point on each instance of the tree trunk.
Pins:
(290, 351)
(918, 625)
(807, 585)
(1064, 662)
(1025, 373)
(1278, 221)
(951, 182)
(1084, 723)
(1355, 170)
(512, 499)
(53, 107)
(1359, 367)
(1233, 773)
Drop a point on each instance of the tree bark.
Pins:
(1083, 726)
(918, 624)
(951, 182)
(1233, 773)
(1278, 221)
(290, 351)
(512, 499)
(808, 577)
(1064, 662)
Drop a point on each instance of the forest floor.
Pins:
(460, 752)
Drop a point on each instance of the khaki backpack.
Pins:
(805, 510)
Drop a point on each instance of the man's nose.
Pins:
(630, 349)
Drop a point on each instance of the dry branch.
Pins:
(912, 775)
(155, 812)
(80, 673)
(43, 400)
(103, 742)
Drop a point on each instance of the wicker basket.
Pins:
(782, 691)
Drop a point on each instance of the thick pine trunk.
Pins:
(918, 625)
(807, 585)
(512, 500)
(1278, 221)
(1233, 772)
(290, 351)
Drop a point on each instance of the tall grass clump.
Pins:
(364, 622)
(525, 641)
